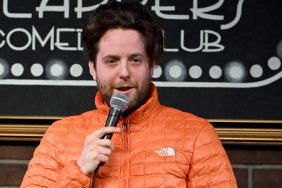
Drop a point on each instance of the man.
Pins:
(153, 145)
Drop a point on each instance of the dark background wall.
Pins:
(222, 63)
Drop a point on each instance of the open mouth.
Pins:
(125, 88)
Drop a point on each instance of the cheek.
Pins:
(104, 76)
(146, 76)
(143, 74)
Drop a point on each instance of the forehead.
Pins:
(122, 41)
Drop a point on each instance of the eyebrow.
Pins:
(130, 56)
(137, 55)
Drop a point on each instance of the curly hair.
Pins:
(125, 16)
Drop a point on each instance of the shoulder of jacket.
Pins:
(76, 123)
(184, 120)
(69, 128)
(176, 114)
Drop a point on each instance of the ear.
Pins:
(92, 69)
(152, 70)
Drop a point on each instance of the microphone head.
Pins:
(119, 101)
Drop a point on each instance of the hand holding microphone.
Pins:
(98, 146)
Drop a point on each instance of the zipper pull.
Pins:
(124, 125)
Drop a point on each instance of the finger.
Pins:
(102, 131)
(103, 158)
(101, 154)
(105, 130)
(95, 153)
(104, 151)
(104, 143)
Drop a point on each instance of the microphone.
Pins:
(118, 103)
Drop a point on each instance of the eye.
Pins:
(136, 60)
(110, 61)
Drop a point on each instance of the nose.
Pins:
(124, 71)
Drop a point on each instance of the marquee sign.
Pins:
(222, 59)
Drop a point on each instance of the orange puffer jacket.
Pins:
(161, 147)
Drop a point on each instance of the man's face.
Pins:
(122, 67)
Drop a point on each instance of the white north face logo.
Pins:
(165, 152)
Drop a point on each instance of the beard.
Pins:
(137, 98)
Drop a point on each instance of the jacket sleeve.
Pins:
(210, 166)
(45, 170)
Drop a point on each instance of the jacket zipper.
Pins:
(125, 161)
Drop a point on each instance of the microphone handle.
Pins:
(112, 121)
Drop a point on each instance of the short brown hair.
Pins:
(126, 16)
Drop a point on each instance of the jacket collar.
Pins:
(145, 111)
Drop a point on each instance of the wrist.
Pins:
(83, 169)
